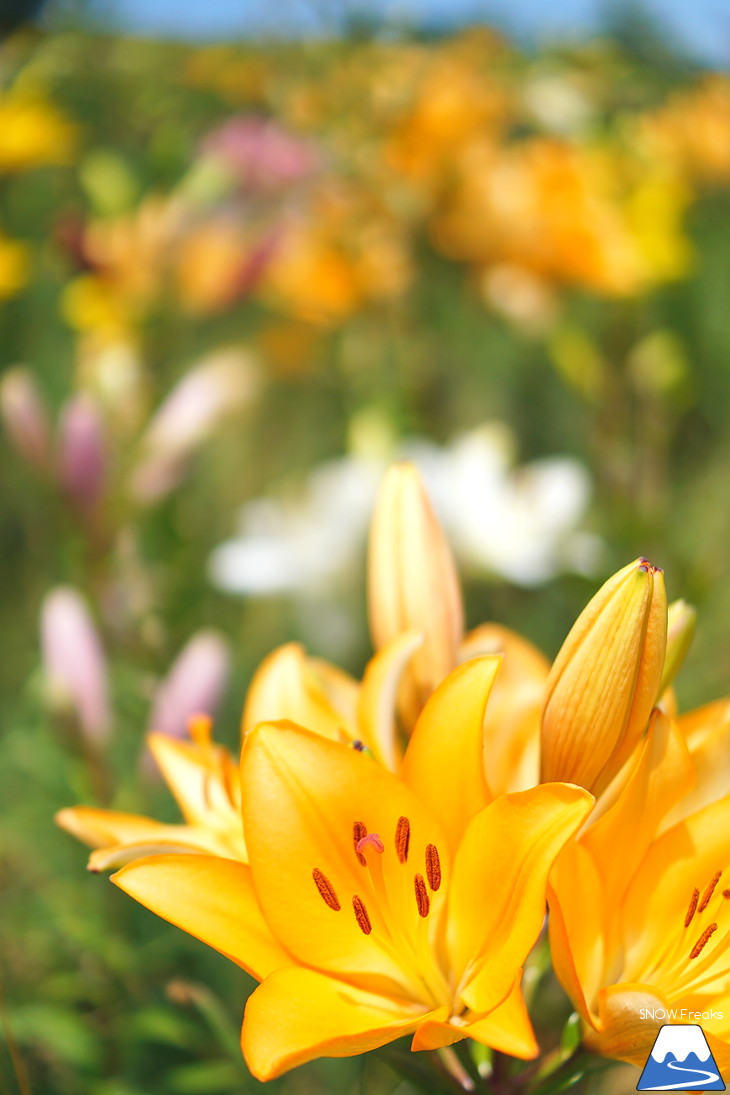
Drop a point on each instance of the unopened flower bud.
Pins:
(74, 661)
(82, 454)
(26, 418)
(194, 684)
(681, 622)
(413, 585)
(606, 679)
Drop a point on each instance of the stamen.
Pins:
(326, 889)
(359, 830)
(709, 892)
(702, 941)
(370, 840)
(726, 894)
(402, 838)
(361, 915)
(422, 898)
(433, 867)
(200, 728)
(692, 908)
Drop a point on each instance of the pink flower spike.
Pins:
(82, 454)
(74, 661)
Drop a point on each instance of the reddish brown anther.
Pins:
(326, 889)
(702, 941)
(361, 915)
(359, 830)
(709, 892)
(692, 908)
(433, 867)
(402, 838)
(422, 899)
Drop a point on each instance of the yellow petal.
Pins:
(577, 926)
(444, 762)
(299, 1014)
(376, 710)
(500, 873)
(512, 722)
(696, 849)
(286, 687)
(203, 778)
(662, 775)
(605, 679)
(707, 733)
(211, 898)
(507, 1029)
(302, 797)
(99, 828)
(413, 585)
(107, 859)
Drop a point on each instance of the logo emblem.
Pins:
(680, 1060)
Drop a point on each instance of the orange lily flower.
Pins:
(375, 906)
(643, 938)
(202, 776)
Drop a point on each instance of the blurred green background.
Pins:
(348, 243)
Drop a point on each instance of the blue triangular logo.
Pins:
(680, 1060)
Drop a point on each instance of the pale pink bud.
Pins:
(74, 661)
(193, 686)
(217, 388)
(26, 418)
(82, 452)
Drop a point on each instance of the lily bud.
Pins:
(82, 452)
(74, 662)
(26, 418)
(681, 622)
(413, 585)
(214, 390)
(606, 679)
(194, 684)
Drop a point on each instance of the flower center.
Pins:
(382, 909)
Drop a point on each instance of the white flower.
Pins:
(516, 523)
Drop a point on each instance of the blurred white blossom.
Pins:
(521, 524)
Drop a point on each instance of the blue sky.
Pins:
(704, 25)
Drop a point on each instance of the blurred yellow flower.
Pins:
(32, 133)
(14, 266)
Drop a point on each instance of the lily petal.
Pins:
(662, 775)
(512, 721)
(285, 687)
(302, 796)
(378, 697)
(99, 828)
(211, 898)
(298, 1014)
(577, 925)
(495, 915)
(444, 762)
(507, 1029)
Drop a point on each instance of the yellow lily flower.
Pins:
(202, 776)
(606, 679)
(636, 935)
(374, 906)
